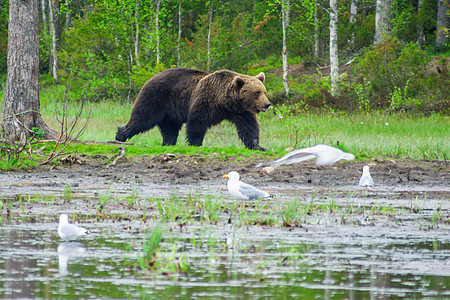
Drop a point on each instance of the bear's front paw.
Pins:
(257, 147)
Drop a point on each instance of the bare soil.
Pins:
(147, 175)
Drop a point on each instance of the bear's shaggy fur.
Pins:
(201, 100)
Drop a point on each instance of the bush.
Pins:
(391, 66)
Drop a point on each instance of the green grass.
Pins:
(366, 135)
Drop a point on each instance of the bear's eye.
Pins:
(257, 94)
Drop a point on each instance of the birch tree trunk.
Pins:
(420, 34)
(442, 23)
(179, 35)
(316, 31)
(353, 13)
(136, 41)
(68, 14)
(22, 108)
(382, 21)
(53, 13)
(158, 4)
(44, 14)
(209, 36)
(334, 59)
(284, 54)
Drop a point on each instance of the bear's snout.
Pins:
(264, 107)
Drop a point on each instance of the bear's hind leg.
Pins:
(195, 132)
(169, 131)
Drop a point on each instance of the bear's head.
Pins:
(251, 92)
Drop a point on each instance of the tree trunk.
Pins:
(158, 4)
(22, 108)
(353, 13)
(209, 36)
(316, 30)
(442, 23)
(136, 41)
(284, 54)
(420, 15)
(44, 14)
(363, 10)
(382, 20)
(53, 13)
(179, 35)
(68, 14)
(334, 59)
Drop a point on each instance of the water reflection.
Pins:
(319, 261)
(17, 269)
(66, 251)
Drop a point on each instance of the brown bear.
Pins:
(201, 100)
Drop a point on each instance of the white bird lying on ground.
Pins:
(324, 154)
(241, 190)
(69, 232)
(366, 180)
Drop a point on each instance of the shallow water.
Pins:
(401, 256)
(388, 242)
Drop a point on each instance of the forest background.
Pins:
(106, 50)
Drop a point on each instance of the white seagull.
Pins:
(69, 232)
(366, 180)
(324, 154)
(241, 190)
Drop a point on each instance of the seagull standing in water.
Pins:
(324, 154)
(241, 190)
(366, 180)
(69, 232)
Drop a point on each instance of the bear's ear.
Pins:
(238, 82)
(261, 76)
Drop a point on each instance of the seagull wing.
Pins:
(251, 192)
(366, 181)
(72, 231)
(293, 158)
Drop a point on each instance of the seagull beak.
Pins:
(225, 176)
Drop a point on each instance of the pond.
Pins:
(308, 242)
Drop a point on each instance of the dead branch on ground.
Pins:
(118, 156)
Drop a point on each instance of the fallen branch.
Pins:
(106, 143)
(43, 141)
(118, 156)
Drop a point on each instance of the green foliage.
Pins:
(390, 66)
(142, 74)
(67, 193)
(3, 38)
(45, 45)
(13, 158)
(363, 91)
(404, 20)
(400, 98)
(366, 31)
(2, 84)
(99, 47)
(292, 213)
(39, 132)
(151, 246)
(295, 123)
(101, 60)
